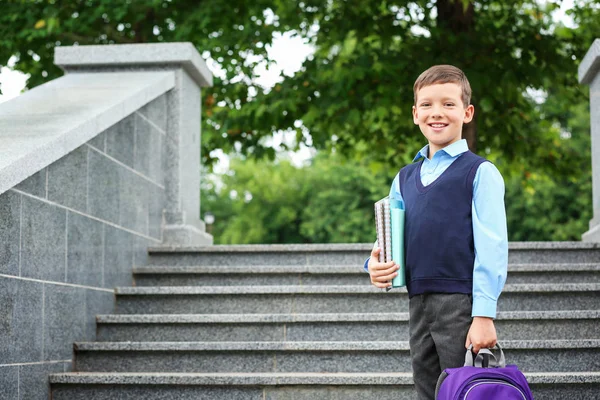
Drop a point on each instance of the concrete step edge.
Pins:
(325, 317)
(332, 269)
(354, 247)
(249, 269)
(273, 379)
(316, 346)
(333, 289)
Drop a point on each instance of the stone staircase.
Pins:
(295, 322)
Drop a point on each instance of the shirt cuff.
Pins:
(366, 266)
(483, 307)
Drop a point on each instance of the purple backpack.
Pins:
(478, 381)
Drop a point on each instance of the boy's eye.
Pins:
(425, 104)
(449, 104)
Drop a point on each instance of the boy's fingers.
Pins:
(375, 253)
(381, 285)
(384, 278)
(384, 270)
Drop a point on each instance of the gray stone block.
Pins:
(375, 386)
(329, 327)
(39, 128)
(9, 382)
(563, 298)
(21, 321)
(555, 360)
(344, 254)
(156, 205)
(340, 393)
(216, 279)
(96, 302)
(566, 391)
(332, 299)
(256, 303)
(35, 184)
(334, 275)
(284, 257)
(149, 150)
(118, 257)
(43, 240)
(120, 140)
(67, 180)
(250, 275)
(555, 273)
(33, 380)
(300, 331)
(10, 232)
(190, 332)
(270, 379)
(140, 250)
(104, 181)
(146, 55)
(84, 251)
(133, 201)
(553, 252)
(530, 355)
(243, 357)
(156, 111)
(133, 392)
(64, 320)
(99, 141)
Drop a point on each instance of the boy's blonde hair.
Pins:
(444, 74)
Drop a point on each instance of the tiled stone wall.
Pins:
(68, 235)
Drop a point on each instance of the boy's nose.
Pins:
(436, 112)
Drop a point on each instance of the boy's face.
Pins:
(440, 114)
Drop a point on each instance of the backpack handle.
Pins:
(494, 362)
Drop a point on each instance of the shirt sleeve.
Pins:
(394, 194)
(490, 240)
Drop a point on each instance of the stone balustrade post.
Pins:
(181, 224)
(589, 74)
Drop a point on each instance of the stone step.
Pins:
(328, 327)
(332, 299)
(391, 356)
(282, 386)
(351, 254)
(257, 275)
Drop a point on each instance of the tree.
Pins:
(329, 201)
(354, 93)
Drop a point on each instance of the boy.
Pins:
(456, 242)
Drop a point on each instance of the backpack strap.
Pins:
(498, 362)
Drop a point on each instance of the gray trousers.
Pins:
(438, 327)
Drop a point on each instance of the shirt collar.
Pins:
(452, 150)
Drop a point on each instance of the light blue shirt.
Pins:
(489, 223)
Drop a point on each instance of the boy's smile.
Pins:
(440, 114)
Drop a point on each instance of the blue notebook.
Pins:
(389, 217)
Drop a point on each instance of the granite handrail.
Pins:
(46, 123)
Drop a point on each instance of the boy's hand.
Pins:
(381, 273)
(482, 334)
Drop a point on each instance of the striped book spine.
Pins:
(383, 225)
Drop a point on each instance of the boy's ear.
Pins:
(469, 112)
(415, 116)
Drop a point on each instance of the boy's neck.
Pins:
(433, 148)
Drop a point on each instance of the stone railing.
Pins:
(589, 74)
(94, 167)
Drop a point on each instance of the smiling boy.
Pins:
(456, 242)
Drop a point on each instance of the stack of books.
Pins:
(389, 222)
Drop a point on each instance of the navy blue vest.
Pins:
(438, 232)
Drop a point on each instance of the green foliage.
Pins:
(354, 95)
(554, 206)
(330, 201)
